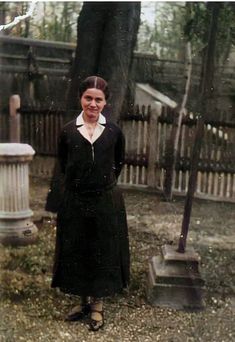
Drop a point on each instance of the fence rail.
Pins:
(40, 128)
(4, 127)
(216, 169)
(40, 71)
(147, 132)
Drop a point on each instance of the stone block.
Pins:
(174, 280)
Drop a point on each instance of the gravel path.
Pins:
(31, 311)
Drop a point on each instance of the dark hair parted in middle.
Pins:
(94, 82)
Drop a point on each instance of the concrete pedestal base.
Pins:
(18, 233)
(16, 227)
(174, 280)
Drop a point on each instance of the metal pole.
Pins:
(191, 185)
(206, 90)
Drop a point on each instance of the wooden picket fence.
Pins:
(147, 132)
(147, 135)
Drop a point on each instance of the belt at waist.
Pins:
(81, 190)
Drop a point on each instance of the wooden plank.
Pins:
(228, 186)
(233, 186)
(157, 95)
(182, 142)
(38, 59)
(14, 105)
(216, 184)
(210, 183)
(36, 131)
(43, 71)
(152, 143)
(131, 174)
(145, 138)
(37, 43)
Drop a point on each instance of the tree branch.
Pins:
(182, 109)
(20, 18)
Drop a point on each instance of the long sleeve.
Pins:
(62, 151)
(119, 153)
(56, 191)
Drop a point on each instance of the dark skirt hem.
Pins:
(76, 292)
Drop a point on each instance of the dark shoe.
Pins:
(95, 325)
(78, 313)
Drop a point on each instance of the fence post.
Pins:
(153, 155)
(14, 105)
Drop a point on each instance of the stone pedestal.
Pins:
(174, 280)
(15, 216)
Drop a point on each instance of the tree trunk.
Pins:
(27, 21)
(107, 34)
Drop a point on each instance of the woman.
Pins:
(92, 248)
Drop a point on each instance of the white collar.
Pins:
(80, 120)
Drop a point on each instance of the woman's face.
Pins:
(92, 102)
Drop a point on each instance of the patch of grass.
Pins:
(27, 270)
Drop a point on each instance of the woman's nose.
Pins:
(93, 103)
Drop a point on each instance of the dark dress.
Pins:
(92, 246)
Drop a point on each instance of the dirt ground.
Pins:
(31, 311)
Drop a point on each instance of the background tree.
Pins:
(58, 21)
(163, 34)
(106, 37)
(198, 16)
(196, 21)
(206, 90)
(51, 21)
(213, 15)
